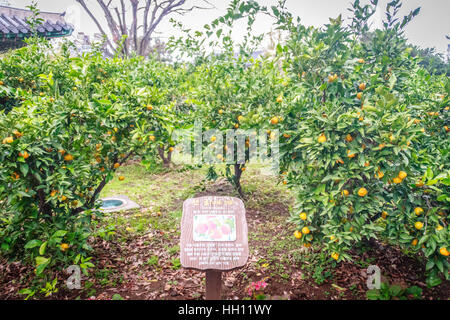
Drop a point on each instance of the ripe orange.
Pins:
(24, 154)
(17, 133)
(335, 255)
(220, 111)
(322, 138)
(418, 225)
(350, 155)
(280, 98)
(362, 86)
(345, 193)
(297, 234)
(444, 251)
(447, 128)
(414, 242)
(152, 138)
(68, 157)
(213, 138)
(171, 149)
(397, 180)
(439, 228)
(236, 126)
(419, 183)
(366, 164)
(402, 175)
(240, 118)
(63, 198)
(418, 211)
(8, 140)
(274, 120)
(361, 60)
(121, 178)
(303, 215)
(149, 107)
(305, 230)
(384, 215)
(116, 165)
(64, 246)
(340, 161)
(362, 192)
(349, 138)
(359, 95)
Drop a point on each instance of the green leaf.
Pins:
(42, 248)
(33, 243)
(42, 260)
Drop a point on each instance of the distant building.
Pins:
(14, 27)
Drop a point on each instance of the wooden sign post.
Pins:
(213, 238)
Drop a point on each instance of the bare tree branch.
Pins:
(140, 26)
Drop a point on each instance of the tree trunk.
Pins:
(237, 179)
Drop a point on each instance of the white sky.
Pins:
(426, 30)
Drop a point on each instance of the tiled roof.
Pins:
(13, 24)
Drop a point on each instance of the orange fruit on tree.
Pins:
(220, 111)
(305, 230)
(447, 128)
(213, 138)
(274, 120)
(414, 242)
(8, 140)
(345, 193)
(116, 165)
(322, 138)
(361, 60)
(418, 225)
(402, 175)
(171, 149)
(279, 98)
(350, 155)
(397, 180)
(362, 86)
(384, 215)
(439, 228)
(443, 251)
(349, 138)
(149, 107)
(240, 118)
(24, 154)
(303, 215)
(418, 211)
(362, 192)
(63, 198)
(340, 161)
(359, 95)
(68, 157)
(297, 234)
(17, 133)
(121, 178)
(335, 255)
(64, 246)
